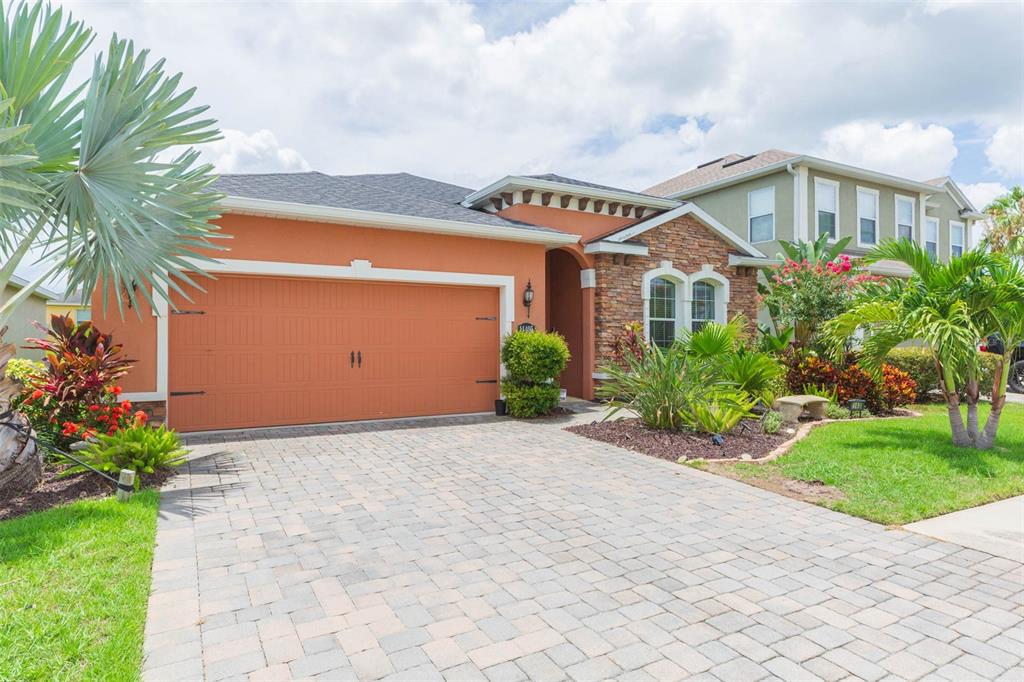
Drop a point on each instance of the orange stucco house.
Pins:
(374, 296)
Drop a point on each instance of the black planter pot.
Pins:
(499, 408)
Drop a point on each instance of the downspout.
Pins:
(796, 200)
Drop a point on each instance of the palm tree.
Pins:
(1006, 222)
(101, 178)
(950, 308)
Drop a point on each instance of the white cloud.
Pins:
(1005, 151)
(907, 149)
(426, 88)
(982, 193)
(259, 152)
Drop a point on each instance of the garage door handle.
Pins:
(359, 356)
(352, 359)
(175, 394)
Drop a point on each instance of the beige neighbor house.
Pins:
(778, 196)
(32, 309)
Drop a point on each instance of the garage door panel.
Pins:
(273, 351)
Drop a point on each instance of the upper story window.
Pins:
(761, 214)
(905, 218)
(956, 239)
(662, 317)
(867, 216)
(931, 237)
(826, 206)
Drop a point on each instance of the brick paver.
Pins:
(476, 548)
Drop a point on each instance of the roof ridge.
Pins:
(392, 191)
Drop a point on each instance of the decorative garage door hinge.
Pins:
(188, 312)
(486, 381)
(175, 394)
(490, 317)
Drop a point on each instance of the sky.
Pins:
(626, 94)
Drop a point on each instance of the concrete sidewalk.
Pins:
(996, 528)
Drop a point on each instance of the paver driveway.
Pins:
(477, 548)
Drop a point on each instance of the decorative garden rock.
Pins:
(21, 459)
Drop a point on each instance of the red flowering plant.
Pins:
(76, 394)
(804, 294)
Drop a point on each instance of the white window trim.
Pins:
(924, 234)
(963, 238)
(750, 231)
(877, 218)
(684, 294)
(358, 270)
(682, 282)
(896, 215)
(721, 283)
(817, 226)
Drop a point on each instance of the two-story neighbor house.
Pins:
(777, 195)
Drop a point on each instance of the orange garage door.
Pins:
(267, 351)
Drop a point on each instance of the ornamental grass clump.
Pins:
(533, 361)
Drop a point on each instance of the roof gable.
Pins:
(721, 230)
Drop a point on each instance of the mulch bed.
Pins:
(632, 434)
(54, 490)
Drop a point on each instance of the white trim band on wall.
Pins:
(362, 270)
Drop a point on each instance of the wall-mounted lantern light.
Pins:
(528, 296)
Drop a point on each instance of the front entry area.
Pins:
(565, 315)
(274, 351)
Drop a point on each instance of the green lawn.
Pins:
(900, 470)
(74, 581)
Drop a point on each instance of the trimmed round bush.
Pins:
(534, 357)
(526, 400)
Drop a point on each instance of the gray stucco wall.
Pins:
(20, 326)
(729, 206)
(848, 220)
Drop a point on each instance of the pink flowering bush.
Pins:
(804, 294)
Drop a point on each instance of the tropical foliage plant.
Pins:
(950, 309)
(844, 379)
(141, 448)
(76, 393)
(706, 381)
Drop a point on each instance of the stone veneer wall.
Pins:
(156, 409)
(689, 245)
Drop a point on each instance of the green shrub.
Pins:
(141, 448)
(525, 400)
(920, 365)
(835, 411)
(23, 369)
(533, 361)
(771, 422)
(534, 357)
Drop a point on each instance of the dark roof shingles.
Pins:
(399, 194)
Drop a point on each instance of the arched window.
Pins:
(662, 312)
(704, 307)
